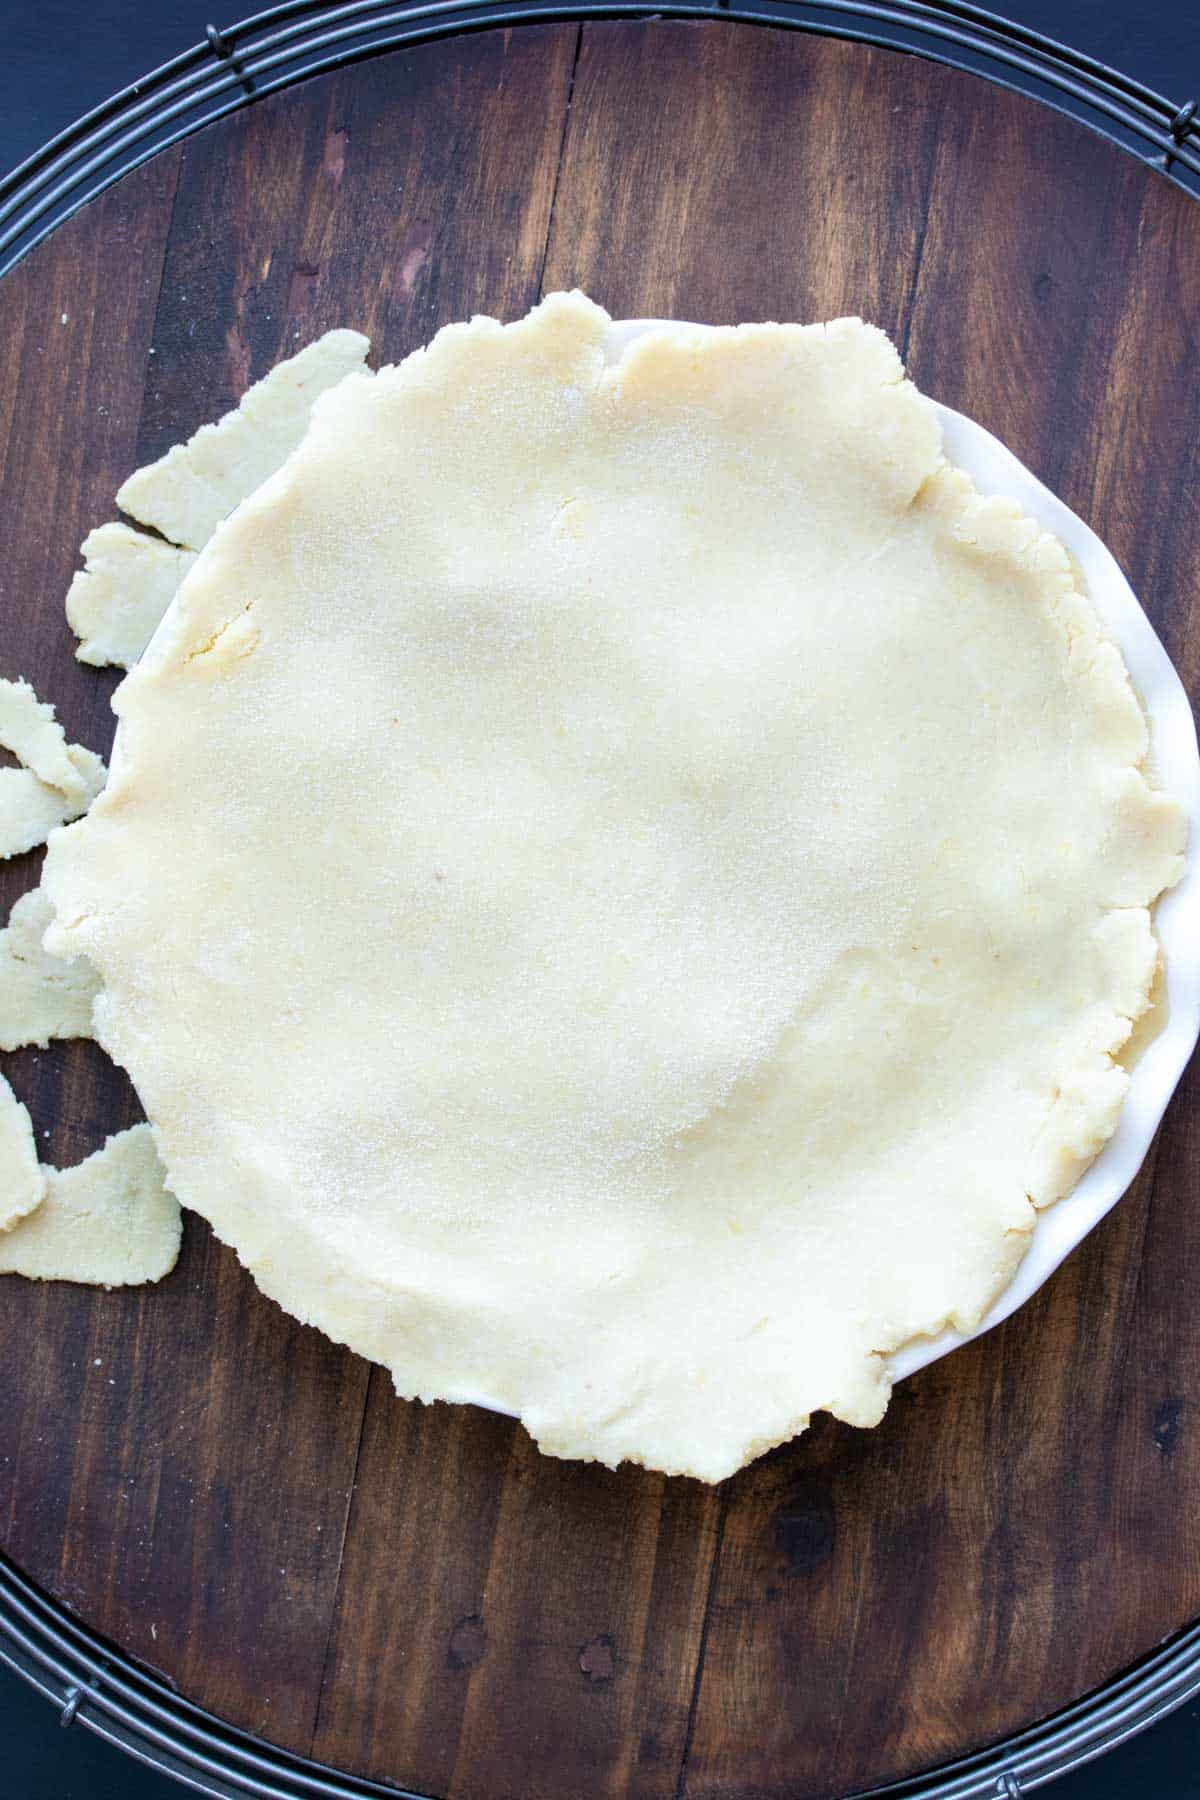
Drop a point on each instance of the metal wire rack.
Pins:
(275, 48)
(96, 1686)
(92, 1683)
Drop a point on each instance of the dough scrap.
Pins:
(187, 492)
(126, 584)
(41, 996)
(22, 1182)
(29, 810)
(30, 730)
(622, 876)
(109, 1221)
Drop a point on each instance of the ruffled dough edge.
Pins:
(1149, 839)
(1084, 1101)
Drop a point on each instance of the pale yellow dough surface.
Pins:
(57, 780)
(22, 1182)
(115, 601)
(129, 578)
(41, 996)
(108, 1221)
(30, 809)
(30, 730)
(618, 883)
(187, 492)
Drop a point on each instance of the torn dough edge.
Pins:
(193, 487)
(30, 730)
(109, 1221)
(30, 811)
(117, 600)
(41, 996)
(22, 1179)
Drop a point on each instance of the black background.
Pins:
(57, 59)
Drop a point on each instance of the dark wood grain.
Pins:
(414, 1593)
(538, 1630)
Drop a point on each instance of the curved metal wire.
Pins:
(96, 1686)
(299, 38)
(93, 1684)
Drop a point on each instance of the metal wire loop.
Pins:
(70, 1707)
(225, 52)
(1185, 121)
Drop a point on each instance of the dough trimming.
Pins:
(107, 1221)
(41, 997)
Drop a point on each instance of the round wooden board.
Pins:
(414, 1593)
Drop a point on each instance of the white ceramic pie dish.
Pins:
(1176, 761)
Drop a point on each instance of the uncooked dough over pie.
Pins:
(186, 493)
(128, 579)
(621, 880)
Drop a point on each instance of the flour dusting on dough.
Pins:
(41, 996)
(30, 810)
(22, 1183)
(108, 1222)
(186, 493)
(652, 894)
(117, 599)
(29, 729)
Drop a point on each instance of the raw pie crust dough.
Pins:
(22, 1181)
(128, 580)
(186, 493)
(619, 883)
(30, 730)
(108, 1221)
(41, 997)
(29, 810)
(116, 600)
(57, 780)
